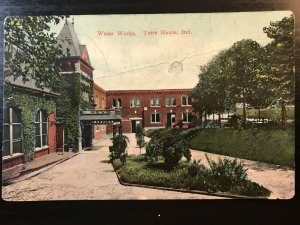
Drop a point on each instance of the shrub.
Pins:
(170, 145)
(117, 150)
(195, 168)
(226, 173)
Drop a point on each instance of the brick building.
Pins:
(76, 88)
(99, 103)
(150, 108)
(29, 129)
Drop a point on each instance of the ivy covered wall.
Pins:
(73, 88)
(29, 105)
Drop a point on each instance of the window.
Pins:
(186, 100)
(12, 132)
(41, 129)
(135, 102)
(97, 102)
(155, 117)
(168, 102)
(155, 102)
(173, 101)
(186, 117)
(116, 103)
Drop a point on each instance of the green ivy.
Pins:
(71, 102)
(29, 105)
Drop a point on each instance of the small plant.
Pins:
(195, 168)
(117, 150)
(226, 173)
(139, 135)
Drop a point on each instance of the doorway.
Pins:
(134, 125)
(171, 119)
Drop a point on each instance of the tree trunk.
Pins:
(200, 118)
(205, 118)
(214, 118)
(283, 117)
(220, 119)
(258, 114)
(244, 111)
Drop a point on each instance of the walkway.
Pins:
(87, 176)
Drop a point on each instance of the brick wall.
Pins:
(51, 133)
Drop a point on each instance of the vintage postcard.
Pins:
(149, 106)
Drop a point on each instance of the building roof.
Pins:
(68, 39)
(97, 87)
(28, 85)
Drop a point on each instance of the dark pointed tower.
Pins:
(77, 87)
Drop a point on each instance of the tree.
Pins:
(31, 50)
(139, 135)
(244, 60)
(281, 64)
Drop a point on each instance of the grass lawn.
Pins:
(137, 170)
(270, 146)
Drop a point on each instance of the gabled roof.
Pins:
(68, 39)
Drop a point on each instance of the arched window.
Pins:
(152, 101)
(135, 102)
(183, 100)
(138, 102)
(114, 103)
(173, 101)
(189, 102)
(157, 101)
(168, 102)
(119, 104)
(41, 129)
(12, 132)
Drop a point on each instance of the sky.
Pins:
(147, 60)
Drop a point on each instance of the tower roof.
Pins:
(68, 39)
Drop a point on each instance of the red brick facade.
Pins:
(100, 103)
(150, 108)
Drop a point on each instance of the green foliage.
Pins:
(249, 73)
(169, 144)
(32, 51)
(68, 106)
(195, 168)
(229, 170)
(264, 145)
(190, 176)
(117, 150)
(235, 121)
(139, 135)
(29, 105)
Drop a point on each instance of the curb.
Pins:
(219, 194)
(38, 171)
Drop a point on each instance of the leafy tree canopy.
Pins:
(31, 50)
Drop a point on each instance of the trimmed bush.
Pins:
(117, 150)
(169, 144)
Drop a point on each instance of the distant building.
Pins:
(100, 104)
(150, 108)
